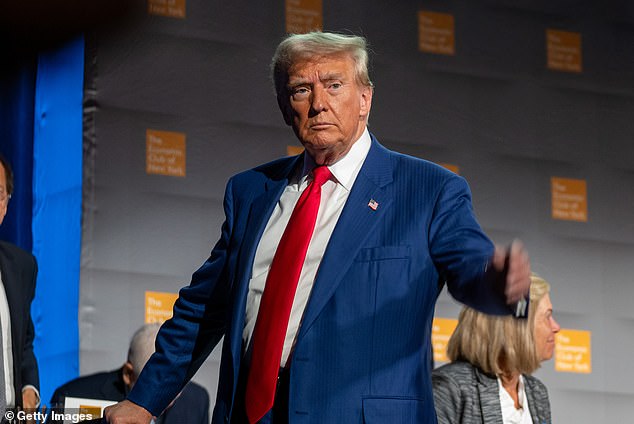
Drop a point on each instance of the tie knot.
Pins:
(321, 174)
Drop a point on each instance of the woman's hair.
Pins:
(312, 45)
(499, 344)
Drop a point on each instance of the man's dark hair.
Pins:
(8, 174)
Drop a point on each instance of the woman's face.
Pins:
(545, 329)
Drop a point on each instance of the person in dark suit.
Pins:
(18, 272)
(324, 280)
(492, 358)
(190, 406)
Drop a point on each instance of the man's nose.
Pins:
(318, 100)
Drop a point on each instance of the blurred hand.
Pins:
(126, 412)
(518, 275)
(29, 398)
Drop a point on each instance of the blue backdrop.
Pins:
(17, 95)
(41, 124)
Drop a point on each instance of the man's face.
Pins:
(4, 196)
(545, 329)
(326, 106)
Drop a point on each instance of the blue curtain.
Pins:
(57, 197)
(41, 136)
(17, 93)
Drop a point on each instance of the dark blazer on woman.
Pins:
(463, 394)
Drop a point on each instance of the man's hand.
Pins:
(29, 399)
(126, 412)
(518, 271)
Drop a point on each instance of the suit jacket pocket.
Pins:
(397, 410)
(383, 253)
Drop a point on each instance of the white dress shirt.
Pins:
(510, 415)
(334, 194)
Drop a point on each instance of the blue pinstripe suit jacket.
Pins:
(362, 352)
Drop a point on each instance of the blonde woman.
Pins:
(489, 379)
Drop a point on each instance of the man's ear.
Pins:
(285, 107)
(366, 101)
(128, 375)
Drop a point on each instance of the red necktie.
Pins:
(279, 292)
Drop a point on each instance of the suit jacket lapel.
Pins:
(8, 274)
(16, 292)
(533, 391)
(489, 392)
(260, 211)
(354, 225)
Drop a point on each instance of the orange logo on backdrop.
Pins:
(169, 8)
(158, 306)
(436, 33)
(569, 199)
(563, 50)
(165, 153)
(304, 16)
(453, 168)
(441, 331)
(573, 351)
(294, 150)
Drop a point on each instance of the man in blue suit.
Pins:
(388, 228)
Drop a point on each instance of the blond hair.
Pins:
(499, 344)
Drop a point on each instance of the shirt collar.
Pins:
(505, 397)
(345, 170)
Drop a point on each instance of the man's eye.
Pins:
(336, 85)
(300, 91)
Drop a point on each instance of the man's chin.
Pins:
(324, 148)
(325, 157)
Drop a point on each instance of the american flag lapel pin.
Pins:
(373, 204)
